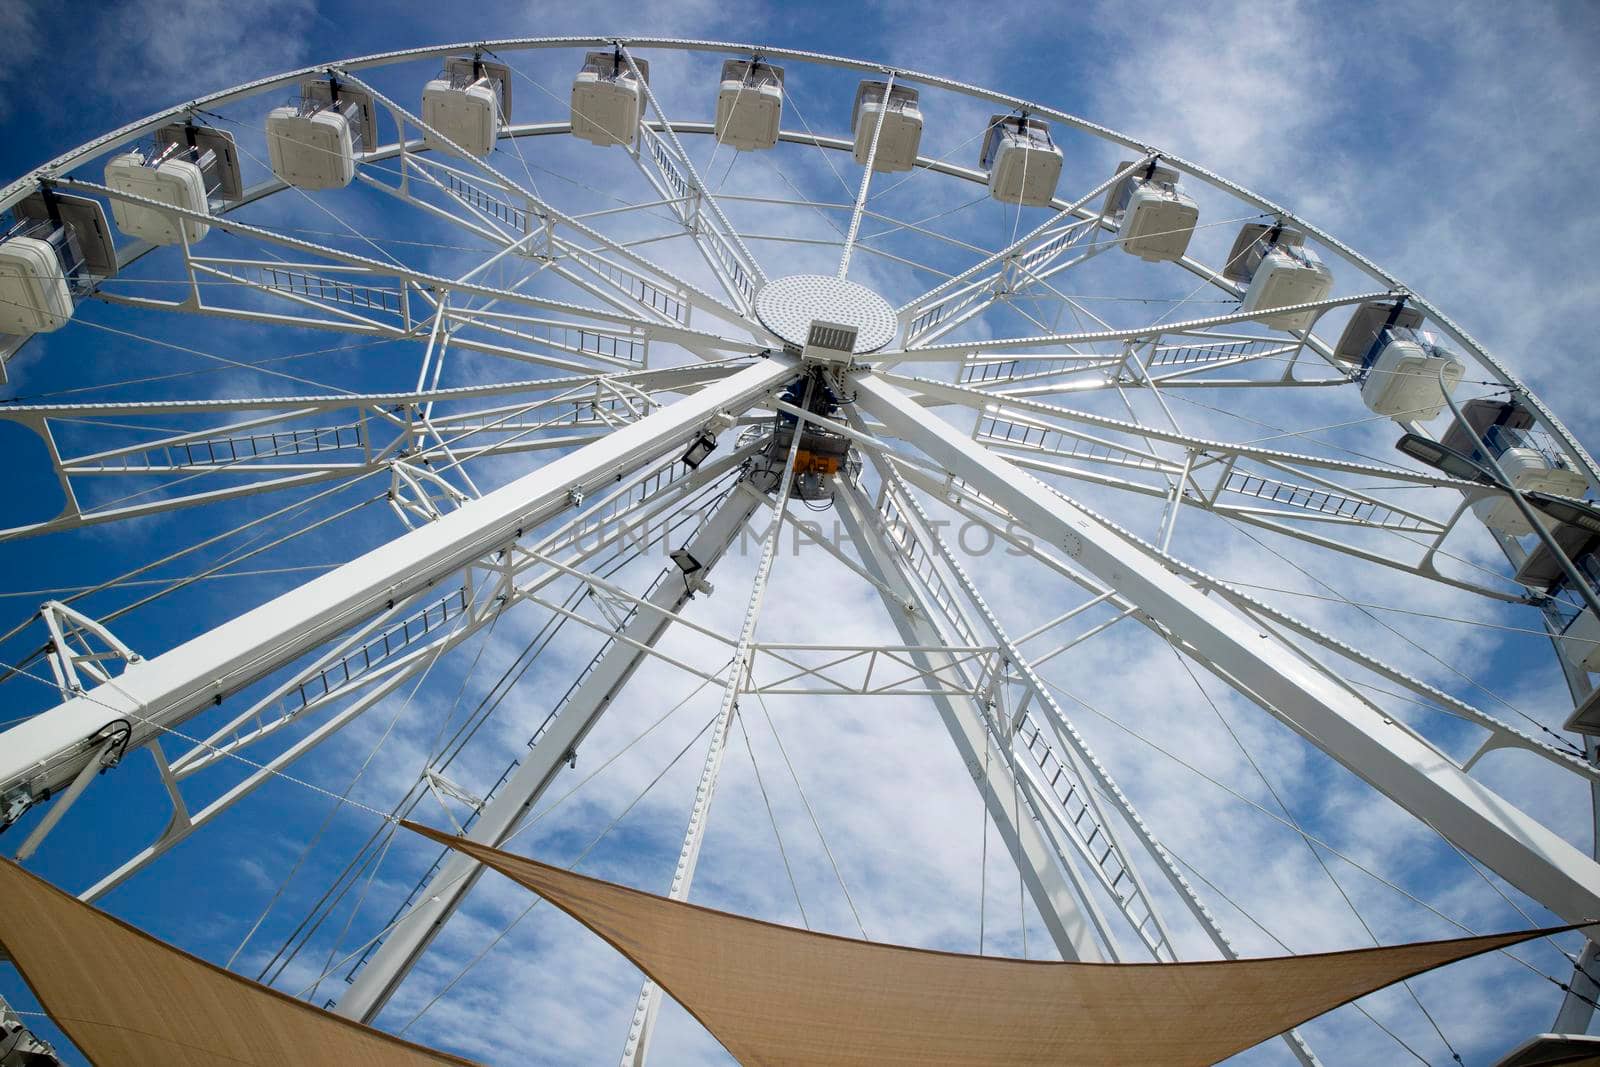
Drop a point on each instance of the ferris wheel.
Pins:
(484, 434)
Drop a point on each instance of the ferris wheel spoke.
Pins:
(1293, 507)
(402, 638)
(675, 176)
(1175, 360)
(1049, 416)
(959, 351)
(168, 693)
(310, 286)
(1051, 880)
(568, 723)
(903, 526)
(551, 217)
(597, 266)
(372, 662)
(1026, 262)
(278, 451)
(348, 437)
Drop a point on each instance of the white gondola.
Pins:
(608, 100)
(1023, 163)
(55, 246)
(188, 167)
(1398, 362)
(749, 104)
(1529, 458)
(469, 103)
(1280, 271)
(901, 136)
(1155, 216)
(1542, 571)
(312, 144)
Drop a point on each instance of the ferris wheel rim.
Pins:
(111, 140)
(13, 192)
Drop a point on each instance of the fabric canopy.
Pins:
(124, 997)
(777, 995)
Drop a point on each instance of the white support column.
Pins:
(1049, 876)
(1074, 744)
(1384, 752)
(48, 750)
(642, 1025)
(386, 969)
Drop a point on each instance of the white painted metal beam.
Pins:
(1384, 752)
(382, 974)
(1051, 882)
(46, 751)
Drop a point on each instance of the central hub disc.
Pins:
(787, 307)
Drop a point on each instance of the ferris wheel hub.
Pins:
(788, 307)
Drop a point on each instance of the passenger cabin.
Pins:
(1155, 216)
(749, 104)
(1529, 458)
(55, 249)
(900, 139)
(1542, 571)
(469, 103)
(1280, 271)
(608, 99)
(1023, 163)
(312, 144)
(187, 167)
(1398, 363)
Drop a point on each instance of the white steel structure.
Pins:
(519, 398)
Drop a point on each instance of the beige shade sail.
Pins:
(125, 998)
(777, 995)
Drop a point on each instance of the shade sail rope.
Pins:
(1321, 862)
(777, 835)
(810, 812)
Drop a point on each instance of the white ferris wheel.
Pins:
(526, 435)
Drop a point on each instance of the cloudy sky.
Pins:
(1454, 145)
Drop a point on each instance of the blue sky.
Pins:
(1453, 144)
